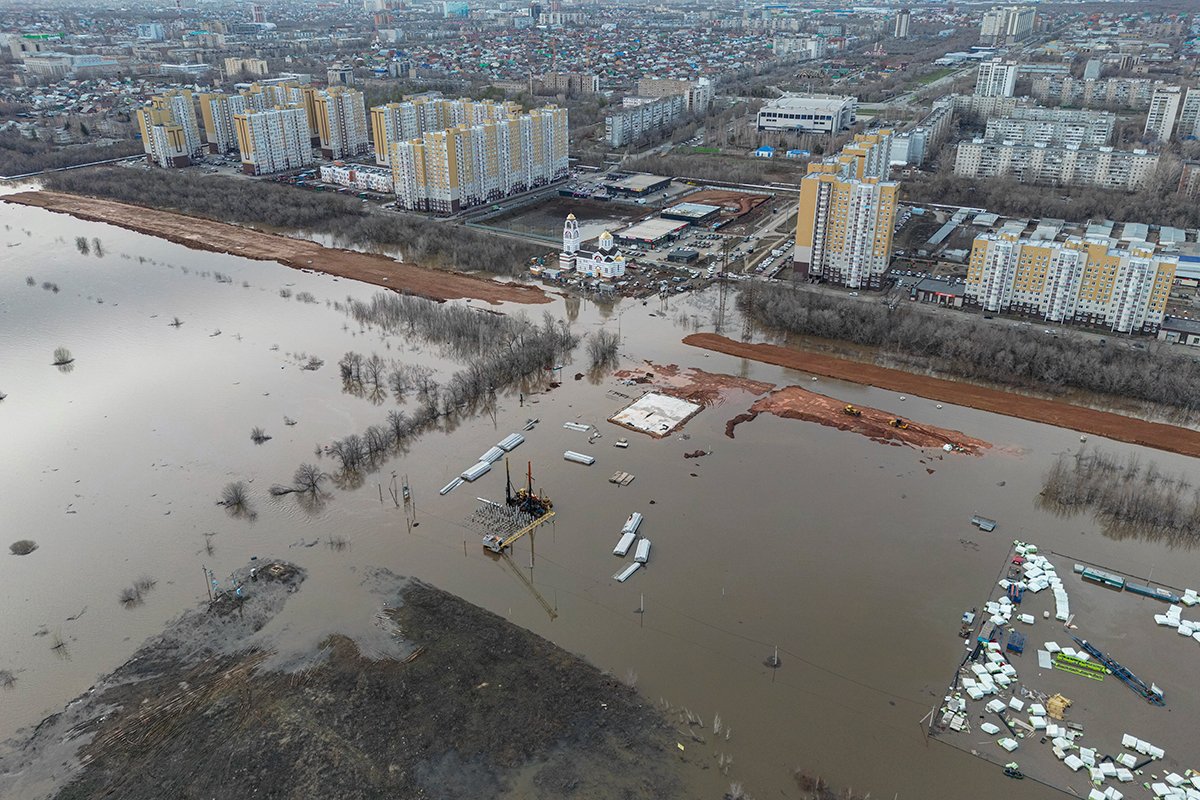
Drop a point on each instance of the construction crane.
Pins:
(1151, 693)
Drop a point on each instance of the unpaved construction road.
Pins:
(795, 402)
(220, 237)
(1160, 436)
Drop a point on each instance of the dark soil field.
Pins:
(466, 706)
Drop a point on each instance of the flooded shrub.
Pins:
(62, 356)
(259, 436)
(234, 495)
(31, 281)
(306, 297)
(130, 596)
(145, 583)
(7, 679)
(22, 547)
(81, 244)
(285, 293)
(312, 364)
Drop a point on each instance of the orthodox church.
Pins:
(605, 261)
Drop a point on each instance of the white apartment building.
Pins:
(1114, 92)
(1189, 115)
(1124, 170)
(1053, 127)
(996, 78)
(809, 113)
(903, 18)
(643, 117)
(275, 140)
(371, 179)
(1119, 283)
(1164, 110)
(697, 95)
(1007, 25)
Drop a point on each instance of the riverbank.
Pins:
(447, 701)
(1159, 436)
(220, 237)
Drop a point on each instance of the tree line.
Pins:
(1009, 355)
(1158, 203)
(1131, 499)
(20, 156)
(253, 202)
(501, 352)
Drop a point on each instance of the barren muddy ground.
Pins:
(467, 703)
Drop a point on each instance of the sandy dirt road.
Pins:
(221, 237)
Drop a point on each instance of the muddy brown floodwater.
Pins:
(220, 237)
(846, 554)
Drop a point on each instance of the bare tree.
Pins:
(62, 357)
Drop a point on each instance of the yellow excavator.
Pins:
(898, 422)
(851, 411)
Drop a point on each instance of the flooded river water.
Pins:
(852, 557)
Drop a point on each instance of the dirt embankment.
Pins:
(1158, 435)
(221, 237)
(695, 385)
(795, 402)
(468, 706)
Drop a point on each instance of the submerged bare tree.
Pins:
(602, 347)
(259, 436)
(62, 357)
(235, 497)
(1128, 498)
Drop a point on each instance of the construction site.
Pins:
(1077, 677)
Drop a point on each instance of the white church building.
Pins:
(605, 261)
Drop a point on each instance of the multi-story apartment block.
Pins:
(903, 19)
(846, 215)
(274, 140)
(341, 116)
(467, 165)
(697, 95)
(1125, 170)
(1110, 92)
(1120, 283)
(1052, 126)
(996, 78)
(217, 112)
(250, 66)
(412, 119)
(571, 82)
(1164, 110)
(1007, 25)
(644, 116)
(808, 113)
(170, 134)
(919, 144)
(1189, 115)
